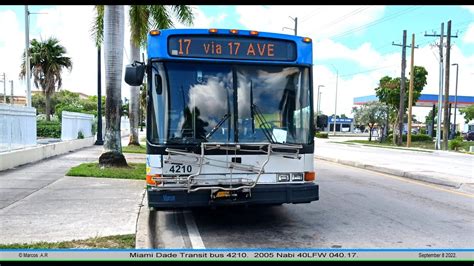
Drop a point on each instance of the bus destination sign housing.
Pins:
(231, 47)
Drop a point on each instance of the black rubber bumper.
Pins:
(260, 194)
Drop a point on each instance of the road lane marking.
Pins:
(194, 236)
(405, 179)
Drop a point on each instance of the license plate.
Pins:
(179, 169)
(223, 194)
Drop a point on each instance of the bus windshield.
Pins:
(209, 102)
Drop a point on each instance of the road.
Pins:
(357, 209)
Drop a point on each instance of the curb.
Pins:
(396, 172)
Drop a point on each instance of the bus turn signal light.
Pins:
(309, 176)
(306, 39)
(151, 181)
(154, 32)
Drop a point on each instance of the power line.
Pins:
(373, 23)
(346, 16)
(366, 71)
(318, 10)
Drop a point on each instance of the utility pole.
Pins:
(441, 78)
(11, 99)
(401, 110)
(410, 94)
(455, 98)
(296, 26)
(446, 119)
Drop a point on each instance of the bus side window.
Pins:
(158, 84)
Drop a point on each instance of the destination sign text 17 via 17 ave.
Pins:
(231, 47)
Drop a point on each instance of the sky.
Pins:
(352, 45)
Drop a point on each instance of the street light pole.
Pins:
(455, 98)
(4, 88)
(335, 103)
(99, 140)
(318, 102)
(11, 99)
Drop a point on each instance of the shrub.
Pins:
(455, 144)
(322, 135)
(419, 137)
(50, 129)
(80, 135)
(414, 138)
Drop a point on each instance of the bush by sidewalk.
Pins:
(322, 135)
(49, 129)
(414, 138)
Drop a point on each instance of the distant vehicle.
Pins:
(469, 135)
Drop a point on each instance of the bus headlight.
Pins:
(297, 177)
(283, 177)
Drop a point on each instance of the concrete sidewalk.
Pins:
(438, 167)
(39, 203)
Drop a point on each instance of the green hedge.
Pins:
(414, 137)
(50, 129)
(322, 135)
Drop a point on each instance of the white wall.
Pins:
(17, 127)
(73, 122)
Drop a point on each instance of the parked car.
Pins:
(469, 135)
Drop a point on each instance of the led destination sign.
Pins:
(231, 47)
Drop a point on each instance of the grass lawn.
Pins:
(134, 149)
(120, 241)
(135, 171)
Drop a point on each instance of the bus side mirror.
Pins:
(134, 73)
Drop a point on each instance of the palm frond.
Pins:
(97, 30)
(161, 19)
(184, 14)
(139, 17)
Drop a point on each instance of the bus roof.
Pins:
(157, 45)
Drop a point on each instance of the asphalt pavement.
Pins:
(357, 209)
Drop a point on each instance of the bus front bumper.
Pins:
(260, 194)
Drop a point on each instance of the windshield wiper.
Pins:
(264, 124)
(223, 119)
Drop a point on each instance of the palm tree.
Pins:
(46, 64)
(113, 37)
(142, 19)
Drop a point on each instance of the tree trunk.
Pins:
(48, 105)
(134, 100)
(113, 55)
(395, 131)
(370, 133)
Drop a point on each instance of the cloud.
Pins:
(469, 35)
(274, 18)
(12, 43)
(364, 83)
(470, 8)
